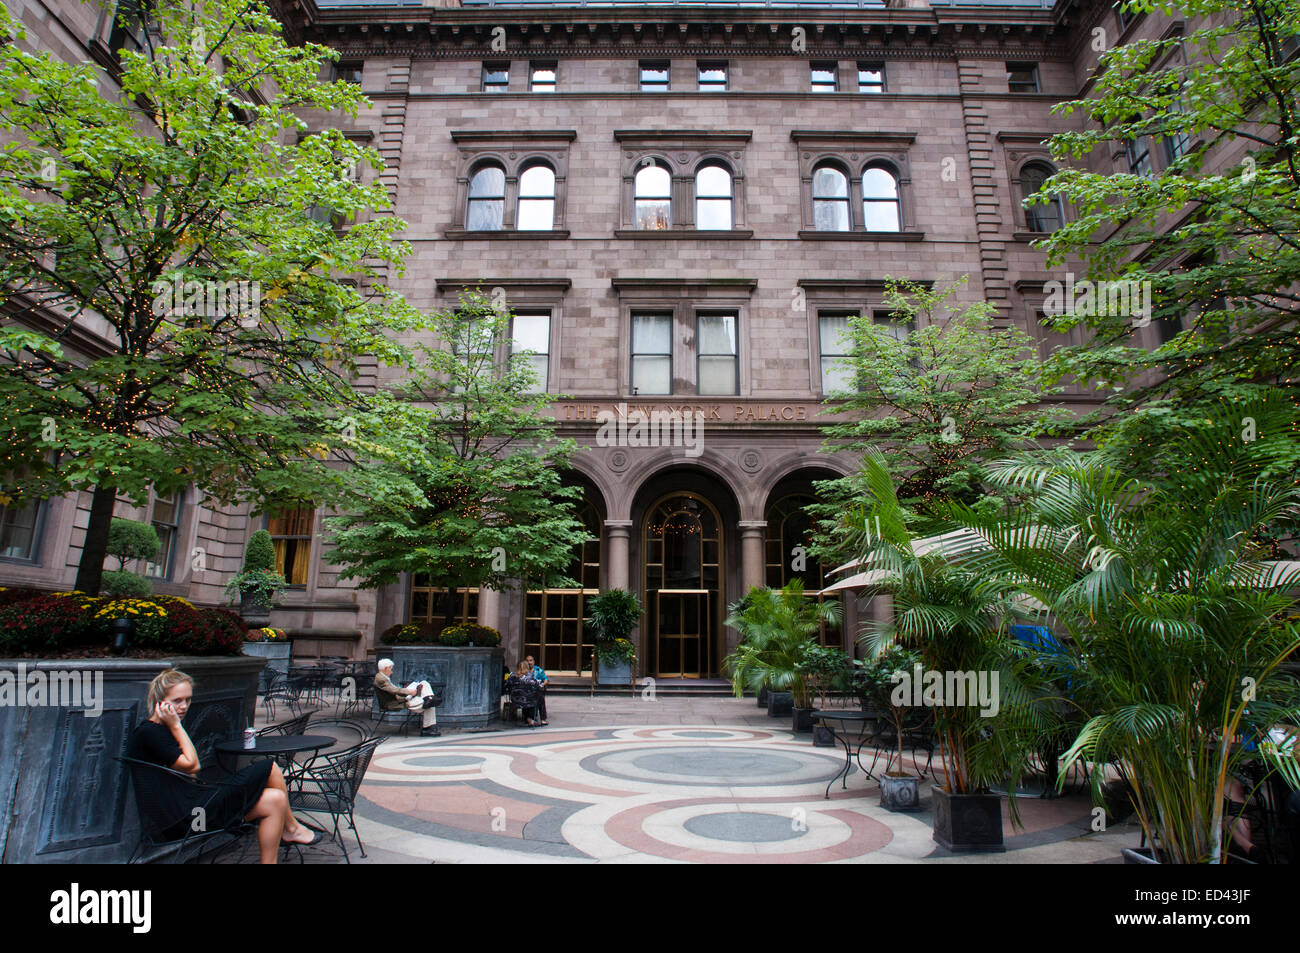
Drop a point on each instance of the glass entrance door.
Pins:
(683, 567)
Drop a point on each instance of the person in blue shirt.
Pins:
(539, 673)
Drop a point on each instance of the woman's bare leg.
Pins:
(270, 810)
(292, 829)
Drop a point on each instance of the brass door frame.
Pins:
(704, 640)
(709, 640)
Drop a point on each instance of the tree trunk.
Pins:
(449, 611)
(91, 569)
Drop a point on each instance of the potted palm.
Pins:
(1175, 603)
(776, 628)
(956, 619)
(613, 615)
(257, 583)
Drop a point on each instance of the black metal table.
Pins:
(829, 719)
(281, 748)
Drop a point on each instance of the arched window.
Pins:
(1040, 218)
(487, 200)
(880, 205)
(713, 198)
(654, 197)
(537, 199)
(830, 188)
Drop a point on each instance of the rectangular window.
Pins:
(542, 79)
(871, 77)
(532, 333)
(18, 530)
(825, 77)
(716, 335)
(291, 534)
(430, 605)
(1178, 142)
(166, 522)
(1022, 77)
(128, 32)
(654, 77)
(474, 345)
(348, 71)
(1139, 156)
(652, 353)
(712, 77)
(837, 374)
(496, 77)
(1122, 15)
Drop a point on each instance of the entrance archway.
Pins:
(683, 551)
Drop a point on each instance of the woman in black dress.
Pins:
(254, 793)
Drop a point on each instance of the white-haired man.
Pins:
(418, 696)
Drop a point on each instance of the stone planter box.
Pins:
(277, 656)
(471, 679)
(63, 799)
(967, 822)
(614, 673)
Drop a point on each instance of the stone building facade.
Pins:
(680, 204)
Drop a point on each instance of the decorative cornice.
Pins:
(515, 135)
(1034, 138)
(623, 284)
(842, 136)
(457, 284)
(682, 135)
(852, 284)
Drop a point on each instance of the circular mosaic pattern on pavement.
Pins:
(745, 827)
(713, 765)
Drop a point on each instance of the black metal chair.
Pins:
(363, 676)
(346, 732)
(293, 726)
(383, 716)
(280, 688)
(158, 840)
(330, 787)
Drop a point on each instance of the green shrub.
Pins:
(49, 622)
(130, 539)
(117, 584)
(260, 552)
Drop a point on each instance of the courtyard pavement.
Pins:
(669, 780)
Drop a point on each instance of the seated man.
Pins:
(417, 696)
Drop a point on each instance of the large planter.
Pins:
(1138, 855)
(780, 704)
(470, 676)
(614, 673)
(277, 656)
(900, 793)
(968, 822)
(803, 720)
(823, 737)
(763, 696)
(255, 609)
(63, 797)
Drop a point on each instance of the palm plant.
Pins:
(1174, 608)
(957, 620)
(776, 628)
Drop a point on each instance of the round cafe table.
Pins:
(841, 719)
(280, 747)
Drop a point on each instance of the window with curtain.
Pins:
(1040, 218)
(880, 203)
(712, 77)
(830, 189)
(542, 79)
(654, 76)
(496, 77)
(871, 77)
(824, 77)
(291, 534)
(487, 199)
(713, 198)
(716, 337)
(18, 530)
(166, 523)
(1022, 77)
(532, 333)
(837, 374)
(654, 197)
(536, 199)
(652, 353)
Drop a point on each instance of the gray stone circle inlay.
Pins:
(712, 764)
(444, 761)
(744, 827)
(701, 734)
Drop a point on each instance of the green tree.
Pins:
(468, 491)
(940, 393)
(177, 311)
(1218, 245)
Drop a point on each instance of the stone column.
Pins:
(618, 570)
(752, 564)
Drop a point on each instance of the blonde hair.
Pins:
(523, 668)
(164, 683)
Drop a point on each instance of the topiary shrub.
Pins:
(118, 584)
(260, 553)
(130, 539)
(466, 632)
